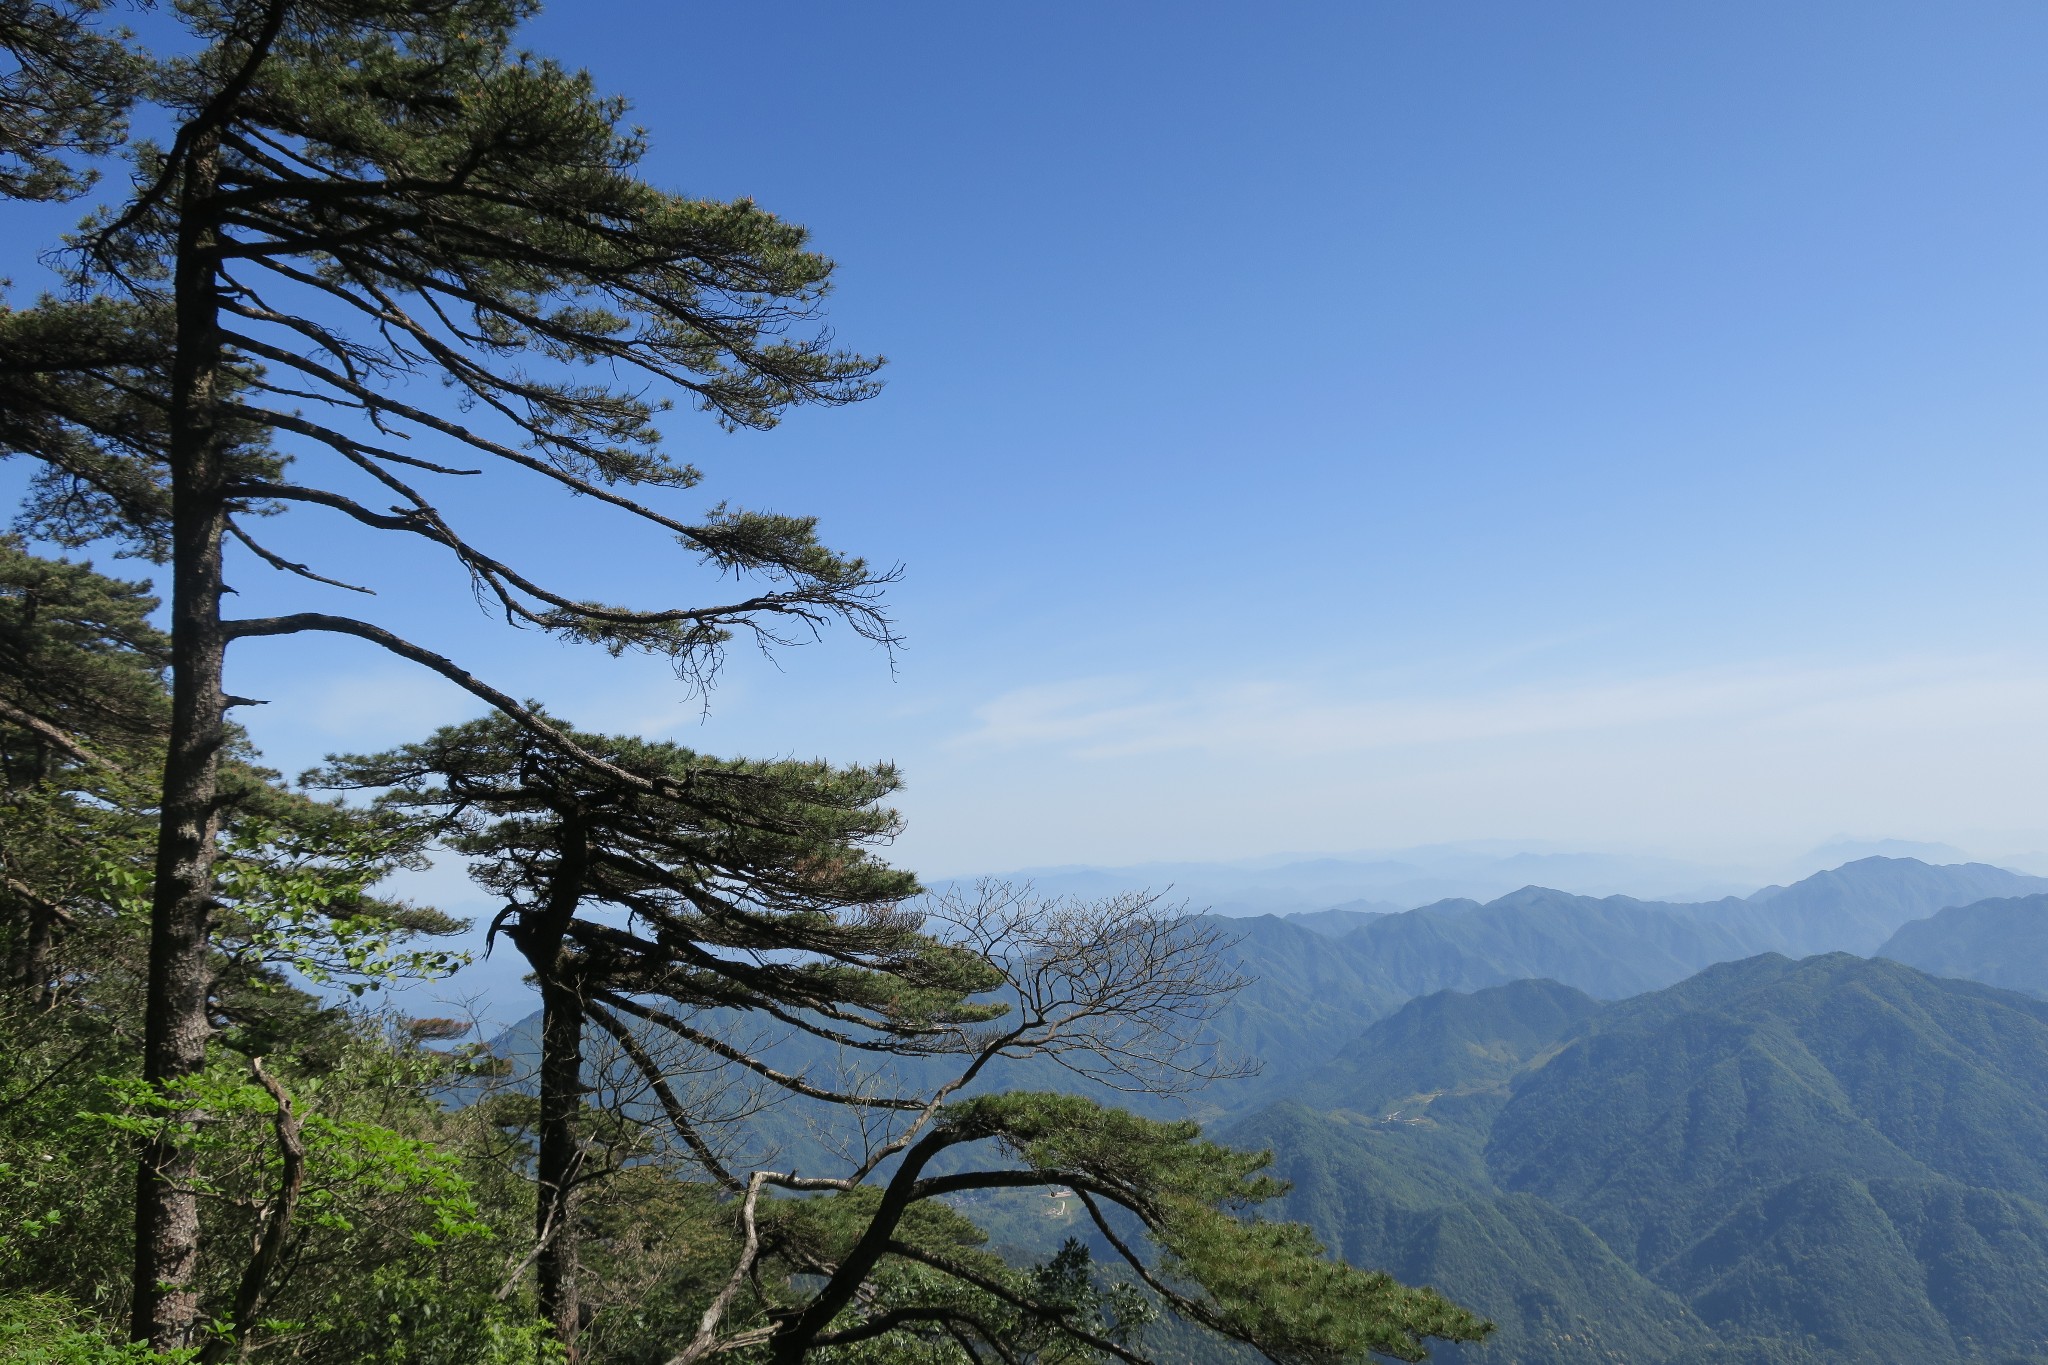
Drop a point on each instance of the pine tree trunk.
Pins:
(542, 936)
(561, 1100)
(176, 1024)
(38, 945)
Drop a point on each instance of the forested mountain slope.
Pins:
(1774, 1161)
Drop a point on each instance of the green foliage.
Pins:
(66, 91)
(725, 858)
(401, 1236)
(79, 655)
(83, 712)
(1263, 1282)
(44, 1329)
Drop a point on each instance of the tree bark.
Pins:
(37, 947)
(793, 1341)
(542, 937)
(560, 1160)
(176, 1024)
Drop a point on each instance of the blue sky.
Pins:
(1330, 427)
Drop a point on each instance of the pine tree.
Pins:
(360, 196)
(749, 898)
(746, 887)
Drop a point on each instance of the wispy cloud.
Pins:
(1120, 717)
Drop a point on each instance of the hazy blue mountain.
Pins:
(1859, 905)
(1608, 947)
(1400, 879)
(1305, 994)
(1617, 946)
(2000, 942)
(1838, 851)
(1340, 920)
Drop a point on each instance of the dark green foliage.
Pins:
(747, 857)
(1264, 1283)
(64, 95)
(78, 657)
(2000, 942)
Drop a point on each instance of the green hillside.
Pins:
(1383, 1195)
(1448, 1043)
(1833, 1160)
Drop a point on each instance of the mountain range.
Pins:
(1767, 1130)
(1312, 990)
(1401, 879)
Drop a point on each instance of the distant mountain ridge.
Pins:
(2001, 942)
(1857, 906)
(1312, 992)
(1483, 870)
(1398, 881)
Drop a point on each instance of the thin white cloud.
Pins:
(1108, 719)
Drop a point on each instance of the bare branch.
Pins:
(276, 1224)
(706, 1341)
(278, 562)
(795, 1084)
(670, 1105)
